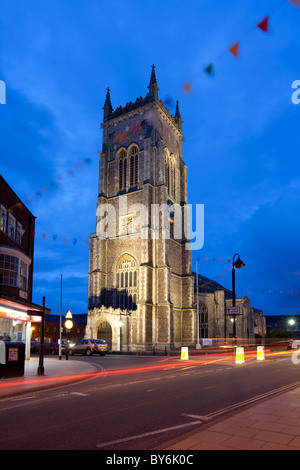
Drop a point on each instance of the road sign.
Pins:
(233, 310)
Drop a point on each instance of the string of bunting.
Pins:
(263, 25)
(59, 179)
(255, 291)
(84, 241)
(52, 185)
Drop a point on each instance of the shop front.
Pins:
(15, 322)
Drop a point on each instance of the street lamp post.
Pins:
(120, 324)
(198, 319)
(60, 319)
(68, 326)
(291, 323)
(41, 369)
(236, 263)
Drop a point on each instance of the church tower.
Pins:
(141, 290)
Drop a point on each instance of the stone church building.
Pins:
(141, 286)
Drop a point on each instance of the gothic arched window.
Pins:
(203, 320)
(172, 177)
(126, 283)
(122, 170)
(133, 164)
(170, 173)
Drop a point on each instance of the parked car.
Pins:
(34, 347)
(90, 346)
(53, 348)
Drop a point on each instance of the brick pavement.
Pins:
(273, 424)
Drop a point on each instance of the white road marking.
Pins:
(23, 398)
(202, 418)
(147, 434)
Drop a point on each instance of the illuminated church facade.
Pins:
(141, 286)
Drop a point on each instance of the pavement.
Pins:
(56, 372)
(272, 423)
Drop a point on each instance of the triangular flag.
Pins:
(187, 87)
(264, 24)
(209, 69)
(296, 3)
(235, 49)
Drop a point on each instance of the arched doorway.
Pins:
(105, 332)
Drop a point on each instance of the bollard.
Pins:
(260, 353)
(239, 356)
(184, 353)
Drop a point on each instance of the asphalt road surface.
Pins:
(138, 403)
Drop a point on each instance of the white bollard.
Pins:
(184, 353)
(239, 356)
(260, 353)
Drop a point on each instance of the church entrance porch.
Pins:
(109, 324)
(105, 333)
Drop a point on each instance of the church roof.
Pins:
(209, 285)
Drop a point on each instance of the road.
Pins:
(137, 403)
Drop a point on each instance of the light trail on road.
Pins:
(195, 360)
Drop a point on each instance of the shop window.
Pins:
(11, 226)
(9, 270)
(14, 271)
(3, 215)
(19, 233)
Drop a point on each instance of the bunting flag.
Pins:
(135, 128)
(264, 24)
(296, 3)
(235, 49)
(187, 87)
(168, 102)
(209, 69)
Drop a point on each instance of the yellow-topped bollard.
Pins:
(184, 353)
(260, 353)
(239, 355)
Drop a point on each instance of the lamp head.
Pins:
(238, 263)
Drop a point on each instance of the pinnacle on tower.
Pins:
(153, 88)
(177, 112)
(177, 116)
(108, 109)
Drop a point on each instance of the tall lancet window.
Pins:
(170, 173)
(172, 177)
(134, 166)
(122, 170)
(126, 283)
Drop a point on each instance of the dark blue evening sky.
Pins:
(240, 126)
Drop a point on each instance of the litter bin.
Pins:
(12, 359)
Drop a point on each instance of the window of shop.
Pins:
(12, 330)
(3, 214)
(11, 226)
(14, 270)
(9, 270)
